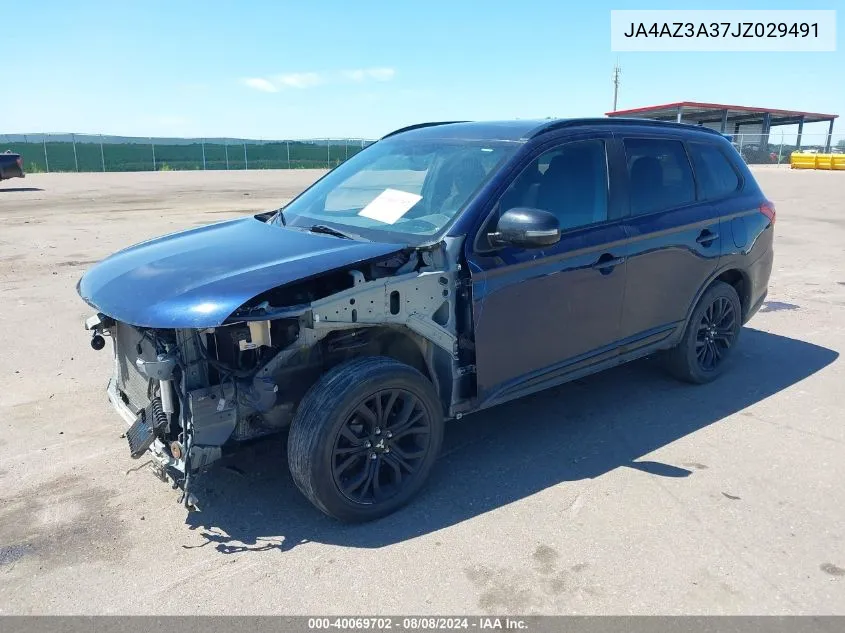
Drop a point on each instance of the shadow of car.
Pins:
(578, 431)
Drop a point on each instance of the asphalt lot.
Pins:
(625, 492)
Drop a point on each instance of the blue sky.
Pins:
(265, 69)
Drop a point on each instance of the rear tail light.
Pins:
(768, 209)
(20, 162)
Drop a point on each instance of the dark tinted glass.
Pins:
(661, 176)
(714, 171)
(569, 181)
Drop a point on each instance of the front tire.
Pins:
(710, 337)
(364, 438)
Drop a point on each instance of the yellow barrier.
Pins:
(798, 160)
(802, 161)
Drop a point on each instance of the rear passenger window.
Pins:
(660, 174)
(715, 173)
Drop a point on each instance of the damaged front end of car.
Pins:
(157, 389)
(191, 393)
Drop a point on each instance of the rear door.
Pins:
(721, 184)
(674, 244)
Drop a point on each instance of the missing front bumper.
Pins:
(156, 449)
(180, 428)
(165, 466)
(140, 437)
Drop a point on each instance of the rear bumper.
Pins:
(758, 276)
(755, 307)
(12, 172)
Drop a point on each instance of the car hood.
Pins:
(197, 278)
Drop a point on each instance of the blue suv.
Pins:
(445, 269)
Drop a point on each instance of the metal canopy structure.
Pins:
(731, 119)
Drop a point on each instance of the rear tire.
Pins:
(710, 336)
(364, 438)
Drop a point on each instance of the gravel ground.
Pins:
(622, 493)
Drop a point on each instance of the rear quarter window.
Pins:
(716, 176)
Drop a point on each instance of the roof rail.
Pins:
(614, 121)
(417, 126)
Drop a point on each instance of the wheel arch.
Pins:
(740, 281)
(731, 275)
(401, 344)
(406, 347)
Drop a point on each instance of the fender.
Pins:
(713, 277)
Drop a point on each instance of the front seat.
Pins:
(568, 190)
(525, 190)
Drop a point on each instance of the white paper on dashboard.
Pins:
(390, 205)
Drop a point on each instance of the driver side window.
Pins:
(569, 181)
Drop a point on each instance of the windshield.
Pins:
(399, 190)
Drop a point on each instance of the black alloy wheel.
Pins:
(381, 445)
(710, 336)
(365, 437)
(716, 333)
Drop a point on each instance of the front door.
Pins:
(537, 312)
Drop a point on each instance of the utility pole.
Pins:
(616, 71)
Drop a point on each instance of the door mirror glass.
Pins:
(526, 227)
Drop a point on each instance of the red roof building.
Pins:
(731, 119)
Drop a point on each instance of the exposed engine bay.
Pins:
(190, 394)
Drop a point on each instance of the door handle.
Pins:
(607, 262)
(707, 237)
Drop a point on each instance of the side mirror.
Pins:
(526, 227)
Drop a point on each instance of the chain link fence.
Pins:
(88, 153)
(775, 148)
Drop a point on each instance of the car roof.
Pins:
(522, 130)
